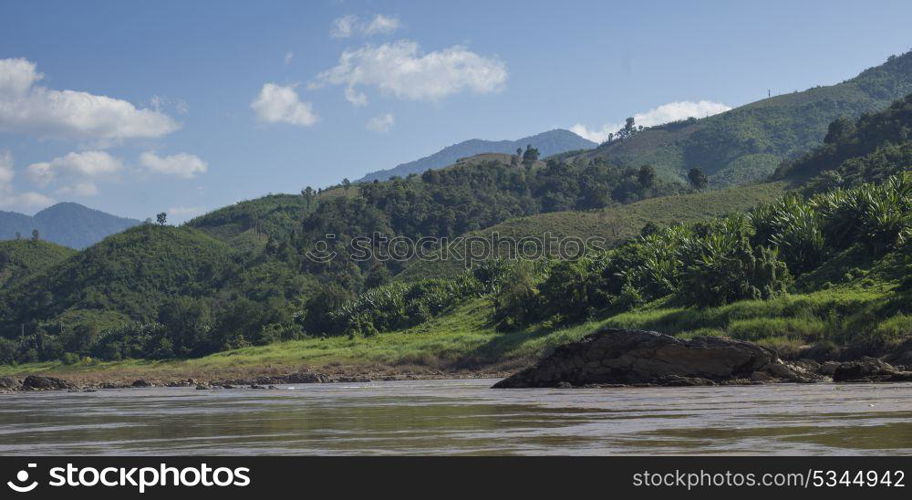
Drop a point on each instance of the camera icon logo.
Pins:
(22, 477)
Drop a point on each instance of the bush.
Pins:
(723, 267)
(400, 305)
(516, 304)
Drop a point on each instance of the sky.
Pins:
(141, 107)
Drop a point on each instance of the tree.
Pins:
(18, 235)
(517, 303)
(629, 125)
(187, 323)
(346, 184)
(839, 130)
(646, 176)
(318, 319)
(697, 179)
(309, 196)
(35, 235)
(162, 218)
(530, 156)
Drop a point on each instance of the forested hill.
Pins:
(20, 259)
(749, 142)
(547, 143)
(872, 148)
(68, 224)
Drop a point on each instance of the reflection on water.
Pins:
(462, 417)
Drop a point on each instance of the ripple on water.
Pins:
(463, 417)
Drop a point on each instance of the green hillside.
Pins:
(614, 224)
(20, 259)
(131, 273)
(872, 148)
(749, 142)
(248, 224)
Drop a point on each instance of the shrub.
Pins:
(722, 267)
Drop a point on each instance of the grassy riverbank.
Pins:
(464, 343)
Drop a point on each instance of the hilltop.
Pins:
(126, 276)
(747, 143)
(20, 259)
(68, 224)
(548, 143)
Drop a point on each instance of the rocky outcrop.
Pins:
(10, 384)
(291, 378)
(637, 357)
(42, 383)
(870, 370)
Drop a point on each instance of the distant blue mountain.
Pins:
(67, 224)
(548, 143)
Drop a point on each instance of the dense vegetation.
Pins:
(469, 197)
(830, 271)
(150, 291)
(749, 142)
(615, 224)
(22, 258)
(872, 148)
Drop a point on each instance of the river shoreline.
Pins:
(606, 358)
(252, 379)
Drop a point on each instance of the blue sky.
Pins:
(141, 107)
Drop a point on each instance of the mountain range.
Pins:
(548, 143)
(68, 224)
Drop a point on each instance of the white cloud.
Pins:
(381, 123)
(343, 27)
(159, 103)
(183, 165)
(29, 200)
(17, 76)
(11, 199)
(355, 98)
(281, 104)
(82, 165)
(288, 57)
(400, 69)
(348, 26)
(31, 109)
(673, 111)
(382, 25)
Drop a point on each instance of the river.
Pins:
(461, 417)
